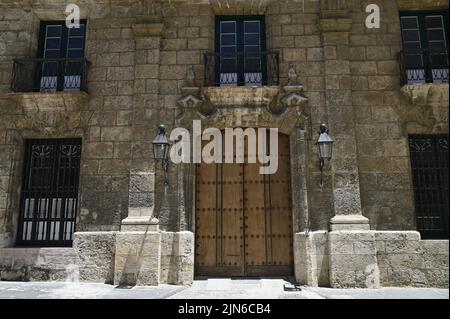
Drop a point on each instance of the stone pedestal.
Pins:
(137, 259)
(311, 258)
(353, 259)
(349, 222)
(177, 258)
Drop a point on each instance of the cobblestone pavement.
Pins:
(206, 289)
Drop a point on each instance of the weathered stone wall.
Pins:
(405, 260)
(137, 260)
(382, 114)
(370, 259)
(141, 54)
(102, 119)
(311, 256)
(95, 255)
(177, 258)
(38, 264)
(293, 29)
(188, 33)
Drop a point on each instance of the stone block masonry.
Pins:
(144, 56)
(370, 259)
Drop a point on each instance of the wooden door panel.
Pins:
(244, 220)
(206, 216)
(255, 218)
(231, 216)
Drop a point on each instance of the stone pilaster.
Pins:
(344, 166)
(351, 244)
(138, 244)
(147, 31)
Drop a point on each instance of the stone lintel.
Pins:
(190, 90)
(241, 96)
(239, 7)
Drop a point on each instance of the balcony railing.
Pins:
(241, 69)
(49, 75)
(424, 66)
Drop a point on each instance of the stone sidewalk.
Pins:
(206, 289)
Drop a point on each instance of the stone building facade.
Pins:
(146, 66)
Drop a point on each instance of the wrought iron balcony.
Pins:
(49, 75)
(424, 65)
(241, 69)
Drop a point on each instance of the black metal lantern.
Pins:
(161, 148)
(325, 147)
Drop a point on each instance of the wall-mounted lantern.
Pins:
(161, 148)
(325, 147)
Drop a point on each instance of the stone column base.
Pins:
(311, 258)
(350, 222)
(177, 258)
(138, 258)
(353, 259)
(139, 223)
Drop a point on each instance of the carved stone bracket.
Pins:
(264, 106)
(417, 107)
(193, 103)
(293, 98)
(416, 94)
(56, 113)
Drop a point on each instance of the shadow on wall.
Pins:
(131, 274)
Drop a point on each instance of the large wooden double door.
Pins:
(244, 219)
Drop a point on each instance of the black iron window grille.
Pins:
(241, 57)
(49, 198)
(49, 75)
(240, 69)
(429, 162)
(60, 65)
(424, 58)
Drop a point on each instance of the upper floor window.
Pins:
(62, 50)
(60, 63)
(240, 56)
(425, 44)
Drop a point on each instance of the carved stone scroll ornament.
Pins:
(192, 105)
(267, 106)
(291, 97)
(416, 107)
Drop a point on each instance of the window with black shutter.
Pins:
(61, 51)
(425, 44)
(49, 198)
(241, 46)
